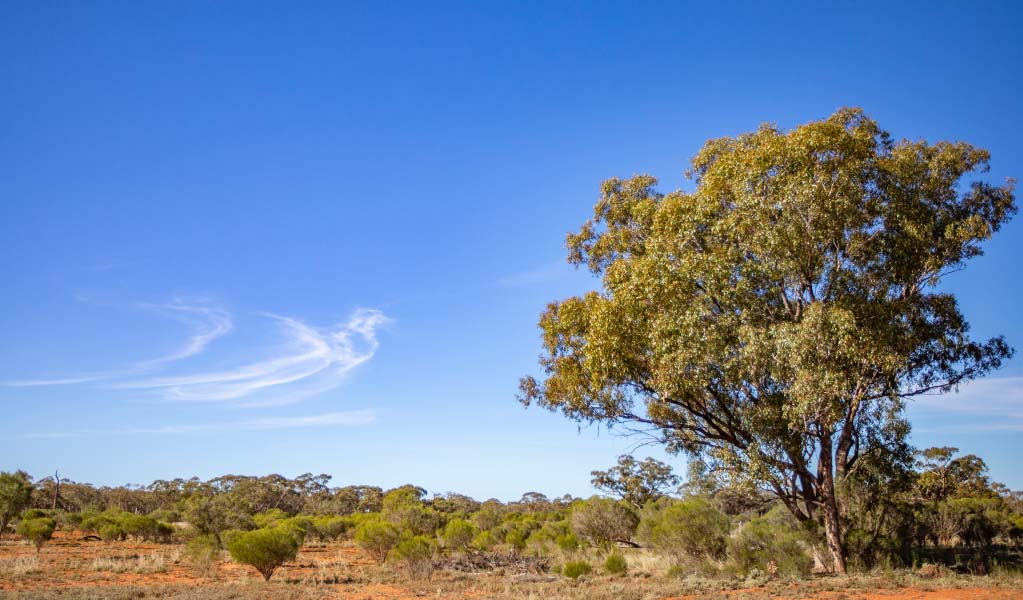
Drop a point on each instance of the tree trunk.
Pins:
(829, 508)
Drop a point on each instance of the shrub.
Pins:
(377, 538)
(575, 569)
(768, 544)
(265, 549)
(298, 527)
(331, 528)
(567, 542)
(112, 532)
(484, 541)
(458, 534)
(202, 551)
(516, 539)
(140, 527)
(685, 529)
(38, 530)
(415, 554)
(616, 564)
(604, 521)
(34, 513)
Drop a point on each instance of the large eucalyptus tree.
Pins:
(774, 320)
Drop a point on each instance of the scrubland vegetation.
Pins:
(653, 532)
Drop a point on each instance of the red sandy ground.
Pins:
(66, 562)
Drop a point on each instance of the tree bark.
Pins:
(829, 507)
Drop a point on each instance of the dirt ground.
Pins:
(73, 568)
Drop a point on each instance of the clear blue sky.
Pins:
(276, 237)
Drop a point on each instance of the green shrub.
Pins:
(227, 536)
(377, 538)
(34, 513)
(112, 532)
(140, 527)
(265, 549)
(516, 539)
(484, 541)
(270, 517)
(166, 515)
(38, 530)
(771, 545)
(331, 528)
(567, 542)
(298, 527)
(415, 555)
(458, 534)
(603, 521)
(202, 551)
(686, 529)
(616, 564)
(576, 569)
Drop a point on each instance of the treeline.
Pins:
(945, 509)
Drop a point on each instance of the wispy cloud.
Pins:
(541, 274)
(310, 360)
(310, 352)
(205, 321)
(992, 404)
(337, 419)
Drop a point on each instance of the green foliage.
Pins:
(603, 521)
(332, 527)
(15, 494)
(377, 538)
(415, 555)
(405, 508)
(112, 532)
(265, 549)
(485, 540)
(458, 534)
(567, 542)
(685, 529)
(774, 319)
(37, 530)
(576, 569)
(203, 551)
(516, 539)
(771, 544)
(615, 564)
(34, 513)
(636, 482)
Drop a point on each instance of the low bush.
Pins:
(265, 549)
(770, 544)
(202, 551)
(458, 534)
(377, 538)
(576, 569)
(38, 530)
(415, 556)
(616, 564)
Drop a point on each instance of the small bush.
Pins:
(415, 555)
(576, 569)
(265, 549)
(112, 532)
(603, 521)
(685, 530)
(484, 541)
(33, 513)
(458, 534)
(331, 528)
(770, 544)
(38, 530)
(616, 564)
(203, 551)
(567, 542)
(377, 538)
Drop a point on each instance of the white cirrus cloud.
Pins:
(312, 355)
(311, 360)
(205, 322)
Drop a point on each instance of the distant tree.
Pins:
(636, 482)
(15, 496)
(775, 319)
(265, 549)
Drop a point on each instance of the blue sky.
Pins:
(268, 237)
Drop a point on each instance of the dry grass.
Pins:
(142, 564)
(20, 565)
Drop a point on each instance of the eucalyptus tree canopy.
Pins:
(774, 320)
